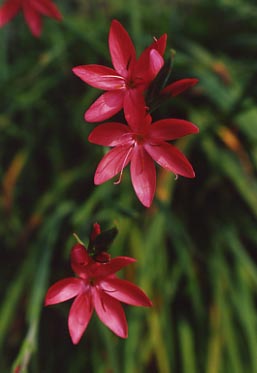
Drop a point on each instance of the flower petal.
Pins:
(112, 163)
(79, 316)
(143, 175)
(106, 269)
(101, 77)
(151, 61)
(63, 290)
(80, 260)
(33, 19)
(121, 48)
(8, 11)
(125, 291)
(47, 8)
(110, 312)
(156, 62)
(170, 158)
(135, 110)
(110, 134)
(79, 255)
(170, 129)
(160, 44)
(179, 86)
(107, 105)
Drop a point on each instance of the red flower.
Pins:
(96, 288)
(141, 142)
(128, 73)
(32, 10)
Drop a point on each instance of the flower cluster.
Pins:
(33, 10)
(134, 85)
(96, 287)
(140, 141)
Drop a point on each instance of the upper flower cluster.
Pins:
(128, 75)
(141, 141)
(96, 287)
(33, 10)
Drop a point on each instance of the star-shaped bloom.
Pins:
(33, 10)
(128, 73)
(96, 287)
(141, 143)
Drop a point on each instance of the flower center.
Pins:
(139, 138)
(91, 281)
(130, 83)
(135, 82)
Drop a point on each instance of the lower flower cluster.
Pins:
(96, 288)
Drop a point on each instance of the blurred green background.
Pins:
(195, 247)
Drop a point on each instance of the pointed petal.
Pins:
(135, 110)
(121, 48)
(179, 86)
(110, 134)
(151, 60)
(170, 129)
(79, 255)
(80, 260)
(63, 290)
(8, 11)
(111, 313)
(156, 62)
(47, 8)
(143, 175)
(170, 158)
(79, 316)
(101, 77)
(112, 163)
(125, 292)
(106, 269)
(160, 44)
(33, 19)
(107, 105)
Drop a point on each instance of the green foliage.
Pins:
(195, 248)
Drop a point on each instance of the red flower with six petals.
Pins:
(141, 142)
(129, 74)
(33, 10)
(96, 288)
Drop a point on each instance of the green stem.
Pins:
(45, 246)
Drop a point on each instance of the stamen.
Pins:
(120, 81)
(123, 166)
(109, 291)
(78, 239)
(113, 76)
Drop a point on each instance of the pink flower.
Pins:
(33, 10)
(128, 74)
(140, 143)
(96, 288)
